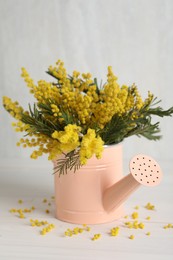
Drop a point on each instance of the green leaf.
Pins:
(159, 111)
(69, 162)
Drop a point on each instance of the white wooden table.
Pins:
(33, 183)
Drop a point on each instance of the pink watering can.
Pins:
(96, 192)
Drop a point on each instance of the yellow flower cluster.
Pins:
(55, 110)
(135, 215)
(135, 224)
(90, 145)
(115, 231)
(96, 236)
(59, 71)
(21, 127)
(149, 206)
(81, 95)
(168, 226)
(45, 145)
(72, 91)
(77, 230)
(44, 90)
(39, 140)
(29, 81)
(69, 138)
(148, 218)
(21, 212)
(36, 222)
(131, 237)
(45, 230)
(148, 234)
(65, 141)
(12, 107)
(112, 100)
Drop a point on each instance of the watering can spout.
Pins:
(143, 171)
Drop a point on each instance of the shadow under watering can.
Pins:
(96, 192)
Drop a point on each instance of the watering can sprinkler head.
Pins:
(144, 170)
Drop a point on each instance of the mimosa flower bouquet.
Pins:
(73, 117)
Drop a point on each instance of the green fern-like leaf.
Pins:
(38, 123)
(69, 162)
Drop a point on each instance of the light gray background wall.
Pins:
(134, 36)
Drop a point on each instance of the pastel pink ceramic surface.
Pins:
(79, 195)
(96, 192)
